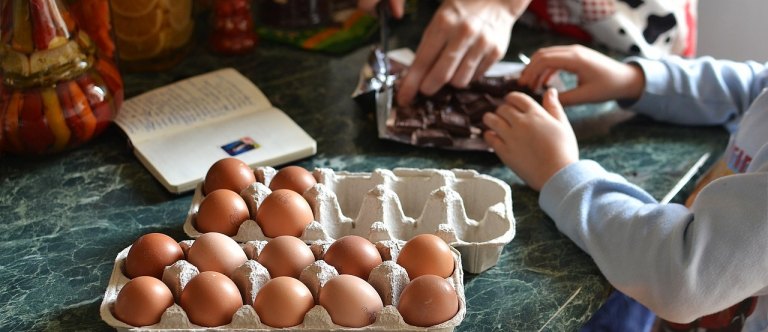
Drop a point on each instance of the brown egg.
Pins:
(216, 252)
(350, 301)
(228, 173)
(286, 256)
(428, 300)
(150, 254)
(221, 211)
(295, 178)
(283, 302)
(284, 212)
(353, 255)
(426, 254)
(210, 299)
(142, 301)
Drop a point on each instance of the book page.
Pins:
(180, 161)
(190, 103)
(178, 131)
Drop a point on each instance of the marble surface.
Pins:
(65, 217)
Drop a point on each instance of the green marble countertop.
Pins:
(66, 217)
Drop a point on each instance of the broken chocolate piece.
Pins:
(465, 96)
(495, 86)
(413, 111)
(500, 86)
(454, 122)
(407, 125)
(443, 96)
(475, 109)
(434, 137)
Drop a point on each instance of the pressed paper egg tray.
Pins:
(389, 280)
(472, 212)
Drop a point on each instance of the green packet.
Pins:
(355, 30)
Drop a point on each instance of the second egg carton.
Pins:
(470, 211)
(388, 278)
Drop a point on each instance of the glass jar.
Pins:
(152, 35)
(294, 14)
(232, 30)
(59, 85)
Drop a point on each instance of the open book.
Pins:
(178, 131)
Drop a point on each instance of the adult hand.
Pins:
(463, 39)
(535, 142)
(600, 78)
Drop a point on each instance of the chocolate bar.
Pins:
(453, 113)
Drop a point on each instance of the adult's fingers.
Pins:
(469, 66)
(456, 48)
(432, 43)
(397, 8)
(488, 61)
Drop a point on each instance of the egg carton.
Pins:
(470, 211)
(388, 278)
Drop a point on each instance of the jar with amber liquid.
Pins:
(58, 83)
(152, 35)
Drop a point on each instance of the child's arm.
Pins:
(680, 266)
(700, 91)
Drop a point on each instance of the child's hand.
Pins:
(600, 78)
(534, 142)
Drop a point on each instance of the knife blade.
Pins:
(383, 11)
